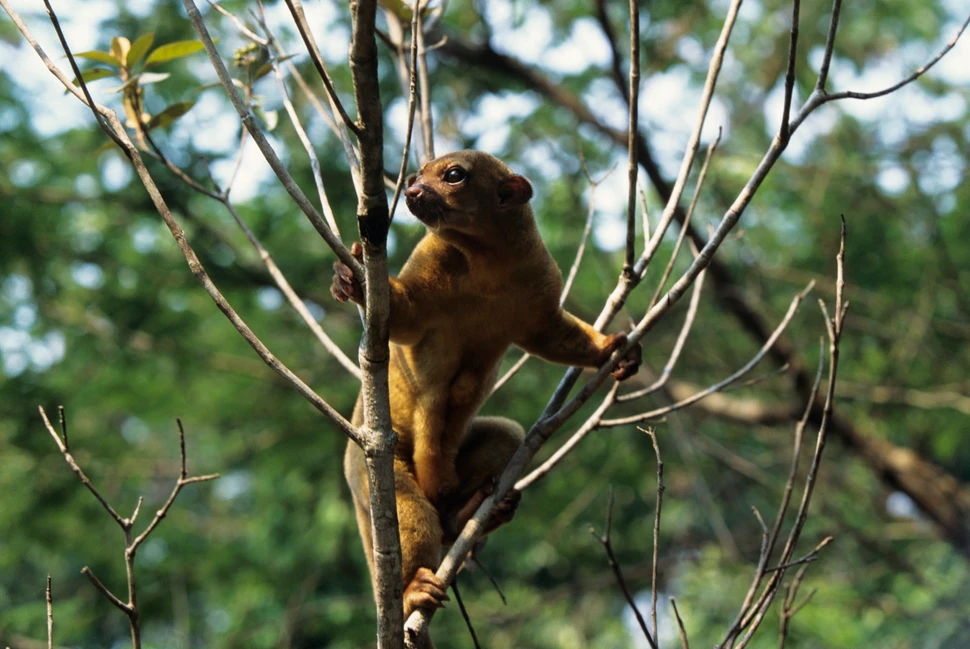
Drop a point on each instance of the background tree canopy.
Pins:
(99, 313)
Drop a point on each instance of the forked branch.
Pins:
(132, 543)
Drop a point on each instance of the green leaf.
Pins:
(140, 48)
(170, 114)
(101, 57)
(94, 74)
(268, 66)
(171, 51)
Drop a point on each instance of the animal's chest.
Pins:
(440, 382)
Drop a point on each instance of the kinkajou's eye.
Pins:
(455, 175)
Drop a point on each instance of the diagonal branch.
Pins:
(318, 223)
(745, 369)
(80, 474)
(109, 122)
(296, 10)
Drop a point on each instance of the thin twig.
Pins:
(784, 131)
(819, 97)
(183, 480)
(427, 125)
(680, 625)
(823, 74)
(104, 590)
(656, 529)
(646, 214)
(747, 367)
(769, 540)
(77, 470)
(412, 101)
(710, 84)
(912, 77)
(50, 616)
(808, 558)
(245, 114)
(759, 379)
(240, 25)
(464, 613)
(685, 226)
(678, 347)
(834, 328)
(591, 424)
(296, 10)
(615, 566)
(298, 125)
(491, 579)
(63, 420)
(632, 164)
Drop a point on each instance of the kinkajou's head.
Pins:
(467, 191)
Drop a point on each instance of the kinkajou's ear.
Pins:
(514, 190)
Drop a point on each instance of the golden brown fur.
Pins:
(480, 280)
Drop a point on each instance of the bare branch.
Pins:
(618, 297)
(298, 125)
(680, 625)
(373, 222)
(678, 347)
(296, 10)
(823, 74)
(771, 539)
(50, 616)
(104, 591)
(116, 130)
(632, 165)
(240, 25)
(589, 426)
(427, 126)
(646, 214)
(747, 367)
(834, 326)
(617, 572)
(130, 608)
(656, 530)
(319, 224)
(685, 226)
(784, 131)
(275, 273)
(808, 558)
(134, 514)
(183, 480)
(820, 97)
(713, 71)
(788, 612)
(412, 97)
(63, 420)
(511, 372)
(464, 612)
(913, 77)
(80, 474)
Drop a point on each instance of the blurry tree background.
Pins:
(98, 312)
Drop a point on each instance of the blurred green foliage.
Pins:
(99, 312)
